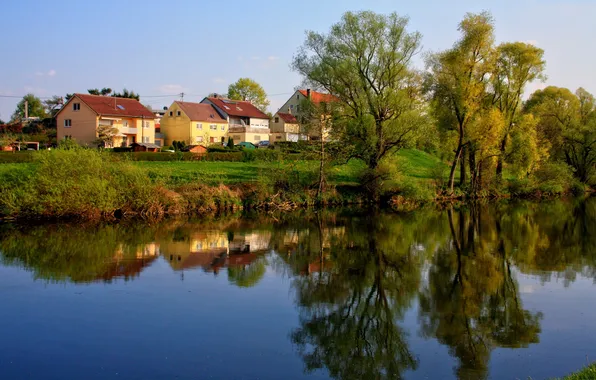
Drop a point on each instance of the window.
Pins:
(145, 139)
(199, 139)
(199, 126)
(291, 106)
(297, 97)
(257, 138)
(125, 123)
(223, 127)
(277, 119)
(146, 124)
(213, 127)
(67, 123)
(278, 137)
(120, 106)
(171, 113)
(76, 106)
(226, 107)
(178, 113)
(212, 139)
(236, 138)
(298, 108)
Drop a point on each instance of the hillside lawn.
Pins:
(411, 163)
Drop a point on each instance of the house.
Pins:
(319, 99)
(159, 136)
(83, 114)
(144, 147)
(246, 122)
(193, 123)
(285, 127)
(196, 149)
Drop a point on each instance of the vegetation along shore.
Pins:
(379, 130)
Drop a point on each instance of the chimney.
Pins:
(308, 93)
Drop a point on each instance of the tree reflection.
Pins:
(471, 302)
(349, 315)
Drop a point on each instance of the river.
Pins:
(500, 291)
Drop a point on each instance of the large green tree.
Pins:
(458, 79)
(248, 90)
(35, 106)
(517, 64)
(567, 122)
(365, 61)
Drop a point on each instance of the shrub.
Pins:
(16, 157)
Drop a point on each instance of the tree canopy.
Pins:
(249, 90)
(365, 62)
(36, 108)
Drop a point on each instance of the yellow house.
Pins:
(285, 127)
(83, 114)
(193, 123)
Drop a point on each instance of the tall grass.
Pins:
(80, 182)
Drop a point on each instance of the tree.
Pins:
(365, 62)
(103, 92)
(35, 107)
(230, 142)
(458, 79)
(105, 135)
(53, 105)
(248, 90)
(568, 122)
(517, 65)
(126, 94)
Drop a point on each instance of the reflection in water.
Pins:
(354, 275)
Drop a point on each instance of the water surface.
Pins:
(503, 291)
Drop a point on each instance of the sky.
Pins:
(162, 48)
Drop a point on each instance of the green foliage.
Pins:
(36, 108)
(365, 62)
(230, 143)
(16, 157)
(126, 94)
(248, 90)
(588, 373)
(104, 91)
(68, 144)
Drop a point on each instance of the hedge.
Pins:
(16, 157)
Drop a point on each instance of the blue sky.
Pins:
(161, 48)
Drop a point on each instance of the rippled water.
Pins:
(503, 292)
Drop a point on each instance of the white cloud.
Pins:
(171, 89)
(272, 58)
(532, 42)
(219, 80)
(50, 73)
(255, 58)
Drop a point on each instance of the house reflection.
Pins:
(129, 265)
(213, 250)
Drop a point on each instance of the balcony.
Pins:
(128, 130)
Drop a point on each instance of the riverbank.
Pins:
(88, 184)
(588, 373)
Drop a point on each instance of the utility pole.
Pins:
(182, 96)
(26, 109)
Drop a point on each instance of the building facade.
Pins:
(193, 123)
(84, 115)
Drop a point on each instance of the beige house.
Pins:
(83, 114)
(318, 99)
(285, 127)
(246, 122)
(193, 123)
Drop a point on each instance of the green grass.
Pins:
(411, 162)
(588, 373)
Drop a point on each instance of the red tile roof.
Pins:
(238, 108)
(319, 97)
(288, 118)
(112, 106)
(201, 112)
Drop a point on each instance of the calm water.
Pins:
(487, 292)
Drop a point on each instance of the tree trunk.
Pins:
(502, 147)
(473, 170)
(462, 167)
(321, 168)
(454, 164)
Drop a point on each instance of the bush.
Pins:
(16, 157)
(76, 182)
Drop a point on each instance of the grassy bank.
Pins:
(588, 373)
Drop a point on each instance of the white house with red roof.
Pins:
(246, 122)
(83, 114)
(292, 106)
